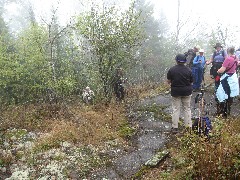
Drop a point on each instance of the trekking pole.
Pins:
(199, 113)
(203, 78)
(204, 125)
(201, 109)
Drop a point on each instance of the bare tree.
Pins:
(54, 33)
(185, 29)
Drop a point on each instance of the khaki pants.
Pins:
(183, 102)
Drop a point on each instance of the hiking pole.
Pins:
(202, 110)
(197, 121)
(199, 112)
(203, 78)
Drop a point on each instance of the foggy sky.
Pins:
(210, 12)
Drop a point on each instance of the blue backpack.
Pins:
(202, 125)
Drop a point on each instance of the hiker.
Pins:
(198, 70)
(88, 95)
(216, 60)
(181, 79)
(228, 84)
(119, 85)
(237, 53)
(190, 55)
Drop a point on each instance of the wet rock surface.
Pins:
(150, 117)
(153, 134)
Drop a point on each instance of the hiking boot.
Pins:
(174, 130)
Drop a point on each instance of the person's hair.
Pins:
(197, 47)
(231, 50)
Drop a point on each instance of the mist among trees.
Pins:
(44, 60)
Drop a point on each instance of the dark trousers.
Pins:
(119, 91)
(224, 108)
(197, 76)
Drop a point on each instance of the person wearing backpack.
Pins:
(237, 53)
(190, 55)
(180, 78)
(229, 86)
(198, 70)
(216, 60)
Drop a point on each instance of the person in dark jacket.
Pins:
(191, 54)
(119, 85)
(181, 79)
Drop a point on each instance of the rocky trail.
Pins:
(153, 134)
(151, 119)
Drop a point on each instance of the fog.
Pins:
(205, 14)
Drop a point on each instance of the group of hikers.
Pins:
(187, 76)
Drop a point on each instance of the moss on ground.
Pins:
(158, 111)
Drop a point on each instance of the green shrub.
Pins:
(217, 158)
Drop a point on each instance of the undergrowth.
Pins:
(217, 158)
(66, 129)
(194, 157)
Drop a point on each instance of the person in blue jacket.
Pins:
(198, 70)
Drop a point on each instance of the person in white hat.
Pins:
(198, 70)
